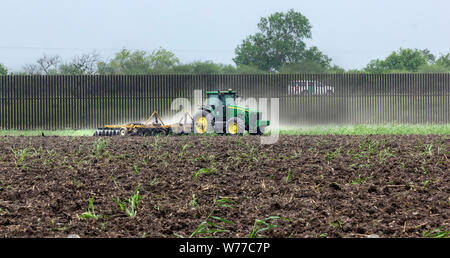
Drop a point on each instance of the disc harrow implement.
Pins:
(152, 126)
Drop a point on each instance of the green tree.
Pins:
(209, 67)
(433, 68)
(444, 61)
(3, 70)
(139, 62)
(408, 60)
(279, 41)
(162, 61)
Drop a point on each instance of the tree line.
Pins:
(278, 47)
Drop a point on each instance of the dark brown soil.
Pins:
(302, 186)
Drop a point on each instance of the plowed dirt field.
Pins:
(222, 186)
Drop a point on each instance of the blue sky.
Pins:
(351, 32)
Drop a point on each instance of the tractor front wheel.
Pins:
(203, 122)
(235, 126)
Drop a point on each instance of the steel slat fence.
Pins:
(76, 102)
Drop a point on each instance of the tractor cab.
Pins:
(217, 101)
(215, 98)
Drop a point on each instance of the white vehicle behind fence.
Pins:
(309, 88)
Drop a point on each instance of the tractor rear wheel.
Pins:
(235, 126)
(203, 122)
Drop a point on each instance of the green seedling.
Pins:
(76, 182)
(227, 203)
(208, 227)
(288, 178)
(296, 153)
(133, 202)
(336, 224)
(262, 225)
(428, 150)
(114, 181)
(98, 148)
(183, 151)
(136, 169)
(194, 201)
(90, 214)
(424, 171)
(436, 233)
(202, 171)
(331, 156)
(21, 157)
(358, 180)
(154, 181)
(155, 145)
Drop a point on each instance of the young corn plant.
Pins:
(382, 154)
(136, 169)
(184, 150)
(288, 178)
(90, 213)
(333, 155)
(428, 150)
(210, 225)
(262, 225)
(21, 157)
(336, 224)
(201, 171)
(154, 181)
(155, 145)
(130, 207)
(98, 148)
(227, 203)
(194, 202)
(358, 180)
(436, 233)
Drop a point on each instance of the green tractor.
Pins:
(222, 115)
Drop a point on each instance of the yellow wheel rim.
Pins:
(201, 124)
(232, 128)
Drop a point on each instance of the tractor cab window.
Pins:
(229, 99)
(213, 100)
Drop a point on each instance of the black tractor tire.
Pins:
(209, 122)
(238, 122)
